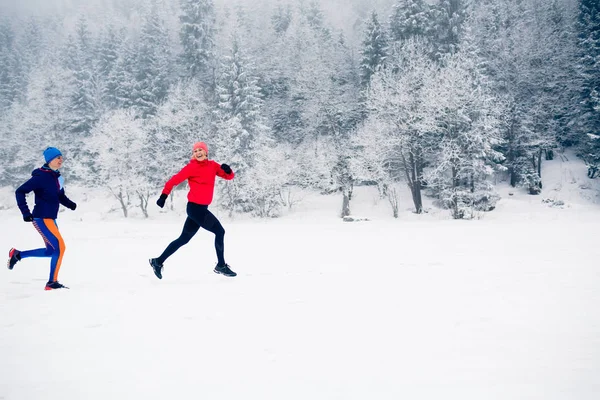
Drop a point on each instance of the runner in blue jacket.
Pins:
(47, 185)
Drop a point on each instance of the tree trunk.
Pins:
(144, 202)
(347, 193)
(513, 177)
(510, 155)
(382, 188)
(456, 214)
(122, 201)
(415, 182)
(393, 199)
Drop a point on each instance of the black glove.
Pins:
(226, 168)
(73, 207)
(28, 218)
(161, 200)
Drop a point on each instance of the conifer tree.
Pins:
(589, 70)
(374, 48)
(152, 64)
(197, 35)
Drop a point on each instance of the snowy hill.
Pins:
(422, 307)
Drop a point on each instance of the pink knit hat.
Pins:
(201, 145)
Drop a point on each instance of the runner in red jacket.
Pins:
(200, 173)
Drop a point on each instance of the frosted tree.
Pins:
(551, 80)
(197, 35)
(313, 15)
(107, 55)
(341, 113)
(376, 159)
(312, 95)
(527, 64)
(466, 137)
(34, 42)
(119, 141)
(152, 64)
(241, 132)
(449, 17)
(374, 48)
(119, 89)
(10, 67)
(41, 120)
(238, 91)
(410, 18)
(281, 19)
(83, 108)
(396, 99)
(589, 70)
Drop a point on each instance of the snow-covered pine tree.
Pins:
(241, 136)
(549, 77)
(10, 67)
(410, 18)
(119, 89)
(374, 48)
(83, 109)
(35, 40)
(589, 70)
(152, 64)
(313, 15)
(107, 56)
(519, 47)
(281, 19)
(562, 83)
(197, 35)
(448, 19)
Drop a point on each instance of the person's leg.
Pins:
(212, 224)
(44, 252)
(49, 231)
(190, 227)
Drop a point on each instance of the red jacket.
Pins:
(201, 177)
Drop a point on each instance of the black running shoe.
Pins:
(54, 285)
(14, 256)
(224, 270)
(157, 267)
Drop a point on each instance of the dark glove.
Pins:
(73, 207)
(161, 200)
(226, 168)
(28, 218)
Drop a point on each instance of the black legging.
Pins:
(198, 216)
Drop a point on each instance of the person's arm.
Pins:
(176, 180)
(224, 171)
(20, 194)
(65, 201)
(171, 183)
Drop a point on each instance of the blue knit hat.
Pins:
(51, 153)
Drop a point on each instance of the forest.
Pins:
(442, 98)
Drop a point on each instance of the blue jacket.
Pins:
(49, 194)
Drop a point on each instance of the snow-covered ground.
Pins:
(420, 307)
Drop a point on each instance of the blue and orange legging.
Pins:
(55, 246)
